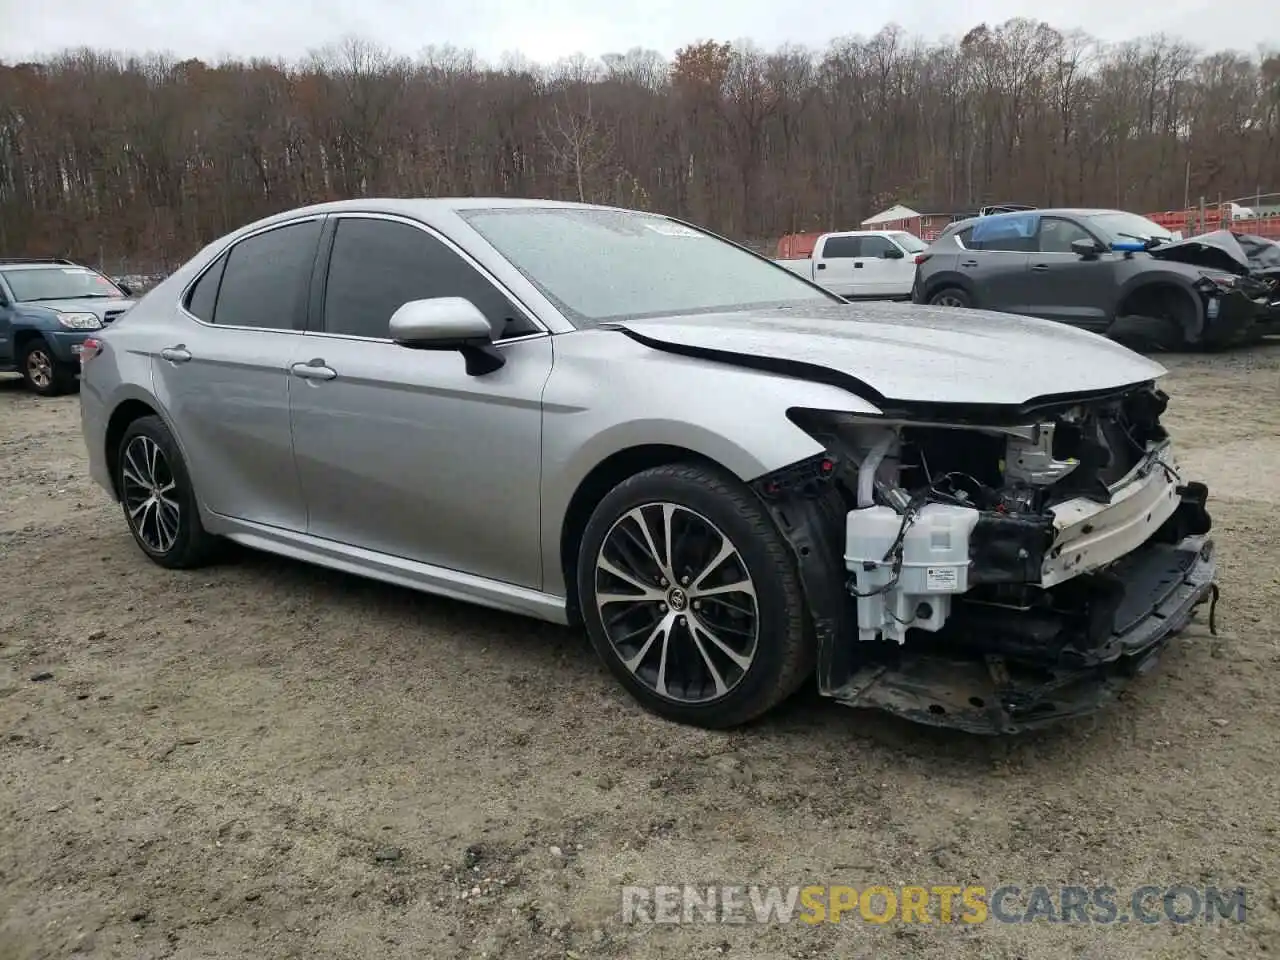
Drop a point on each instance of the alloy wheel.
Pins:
(148, 489)
(40, 368)
(677, 603)
(947, 300)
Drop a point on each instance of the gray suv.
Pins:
(1103, 270)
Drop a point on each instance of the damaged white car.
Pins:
(734, 479)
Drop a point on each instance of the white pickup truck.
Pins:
(868, 264)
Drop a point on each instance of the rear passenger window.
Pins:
(205, 292)
(1011, 233)
(265, 281)
(839, 248)
(377, 266)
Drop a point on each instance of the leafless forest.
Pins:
(146, 158)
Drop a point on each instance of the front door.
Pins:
(1064, 286)
(400, 451)
(882, 267)
(222, 375)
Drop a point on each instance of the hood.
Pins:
(100, 307)
(1239, 253)
(902, 354)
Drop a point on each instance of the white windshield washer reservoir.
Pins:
(935, 567)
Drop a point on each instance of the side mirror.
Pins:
(1085, 248)
(893, 253)
(448, 323)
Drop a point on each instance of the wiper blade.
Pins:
(1149, 242)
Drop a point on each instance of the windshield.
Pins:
(1128, 226)
(602, 265)
(59, 283)
(909, 242)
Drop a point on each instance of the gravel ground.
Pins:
(263, 759)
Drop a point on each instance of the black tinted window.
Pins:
(205, 292)
(876, 246)
(266, 277)
(841, 247)
(377, 266)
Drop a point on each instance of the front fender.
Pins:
(1193, 323)
(608, 394)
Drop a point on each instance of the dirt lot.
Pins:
(268, 760)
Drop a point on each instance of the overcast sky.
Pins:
(546, 30)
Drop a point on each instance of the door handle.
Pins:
(822, 266)
(1040, 268)
(178, 354)
(968, 263)
(857, 264)
(313, 370)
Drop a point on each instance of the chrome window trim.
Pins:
(224, 251)
(542, 331)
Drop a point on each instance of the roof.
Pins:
(36, 263)
(896, 212)
(434, 211)
(1047, 212)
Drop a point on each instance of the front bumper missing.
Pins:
(994, 694)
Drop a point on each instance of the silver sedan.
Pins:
(735, 480)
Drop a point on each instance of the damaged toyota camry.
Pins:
(736, 481)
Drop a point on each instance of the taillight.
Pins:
(922, 257)
(89, 348)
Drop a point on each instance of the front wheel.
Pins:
(691, 597)
(43, 373)
(158, 500)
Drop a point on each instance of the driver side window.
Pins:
(379, 265)
(1057, 235)
(876, 247)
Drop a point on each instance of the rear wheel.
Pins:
(691, 597)
(951, 297)
(158, 500)
(43, 373)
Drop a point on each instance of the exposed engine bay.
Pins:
(994, 576)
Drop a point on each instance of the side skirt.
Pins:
(423, 577)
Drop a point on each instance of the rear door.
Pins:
(997, 259)
(221, 373)
(1064, 286)
(836, 264)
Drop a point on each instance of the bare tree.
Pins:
(578, 144)
(110, 156)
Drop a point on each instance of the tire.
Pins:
(43, 374)
(148, 459)
(951, 297)
(708, 509)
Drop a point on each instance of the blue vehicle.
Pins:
(47, 309)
